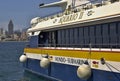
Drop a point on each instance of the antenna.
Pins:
(41, 4)
(63, 4)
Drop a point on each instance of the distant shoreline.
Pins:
(14, 41)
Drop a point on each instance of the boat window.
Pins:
(63, 37)
(43, 39)
(98, 35)
(80, 37)
(92, 35)
(71, 36)
(119, 33)
(75, 36)
(105, 34)
(67, 37)
(113, 33)
(33, 33)
(86, 36)
(52, 38)
(59, 37)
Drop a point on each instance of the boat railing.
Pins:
(99, 47)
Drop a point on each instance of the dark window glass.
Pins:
(76, 36)
(105, 30)
(113, 33)
(80, 37)
(63, 37)
(71, 36)
(105, 34)
(92, 35)
(86, 35)
(53, 36)
(59, 37)
(67, 37)
(98, 35)
(50, 38)
(119, 33)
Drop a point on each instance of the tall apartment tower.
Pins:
(1, 31)
(10, 28)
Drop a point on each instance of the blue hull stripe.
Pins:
(63, 72)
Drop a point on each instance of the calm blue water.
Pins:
(10, 67)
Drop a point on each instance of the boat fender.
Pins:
(84, 71)
(23, 58)
(45, 62)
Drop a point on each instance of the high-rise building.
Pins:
(1, 31)
(10, 28)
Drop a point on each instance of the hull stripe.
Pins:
(109, 56)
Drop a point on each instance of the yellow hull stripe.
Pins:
(109, 56)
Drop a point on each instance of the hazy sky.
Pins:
(21, 12)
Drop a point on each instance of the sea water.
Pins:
(10, 67)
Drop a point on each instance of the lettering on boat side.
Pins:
(90, 13)
(54, 21)
(81, 15)
(71, 61)
(71, 17)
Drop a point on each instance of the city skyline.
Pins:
(14, 29)
(21, 12)
(11, 34)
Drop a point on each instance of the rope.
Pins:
(109, 66)
(113, 67)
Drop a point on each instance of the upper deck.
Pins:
(82, 14)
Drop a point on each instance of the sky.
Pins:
(22, 11)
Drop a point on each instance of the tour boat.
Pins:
(81, 43)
